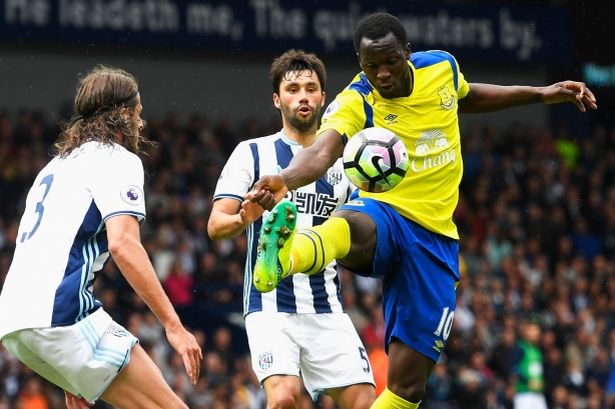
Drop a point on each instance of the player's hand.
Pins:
(264, 188)
(73, 402)
(251, 211)
(188, 348)
(570, 91)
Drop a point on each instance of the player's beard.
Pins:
(304, 125)
(133, 137)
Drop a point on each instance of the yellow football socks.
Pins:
(314, 248)
(388, 400)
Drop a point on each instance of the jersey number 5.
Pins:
(363, 354)
(40, 209)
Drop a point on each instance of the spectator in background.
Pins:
(528, 369)
(31, 395)
(439, 388)
(513, 158)
(373, 337)
(179, 285)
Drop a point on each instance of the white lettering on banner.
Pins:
(151, 15)
(443, 30)
(27, 12)
(207, 19)
(273, 21)
(332, 27)
(518, 35)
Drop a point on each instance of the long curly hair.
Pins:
(102, 97)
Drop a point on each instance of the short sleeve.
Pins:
(237, 175)
(462, 87)
(116, 183)
(346, 114)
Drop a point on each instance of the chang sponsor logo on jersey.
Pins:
(314, 204)
(131, 194)
(431, 141)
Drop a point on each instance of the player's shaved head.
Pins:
(378, 25)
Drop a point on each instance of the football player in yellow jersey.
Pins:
(407, 235)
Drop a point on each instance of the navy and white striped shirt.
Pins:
(318, 293)
(61, 242)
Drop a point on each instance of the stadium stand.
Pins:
(537, 214)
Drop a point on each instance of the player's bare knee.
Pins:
(363, 400)
(357, 396)
(282, 393)
(283, 400)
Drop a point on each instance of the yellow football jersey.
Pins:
(427, 123)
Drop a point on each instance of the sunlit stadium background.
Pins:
(537, 209)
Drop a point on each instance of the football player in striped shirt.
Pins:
(300, 330)
(407, 234)
(83, 206)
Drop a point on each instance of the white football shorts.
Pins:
(323, 349)
(82, 359)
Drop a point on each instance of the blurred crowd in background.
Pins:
(537, 220)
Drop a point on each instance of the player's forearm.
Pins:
(306, 167)
(133, 262)
(225, 226)
(489, 97)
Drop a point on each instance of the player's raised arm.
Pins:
(312, 163)
(305, 167)
(490, 97)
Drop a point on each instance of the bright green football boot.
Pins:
(273, 260)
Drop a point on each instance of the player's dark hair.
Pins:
(378, 25)
(293, 61)
(101, 96)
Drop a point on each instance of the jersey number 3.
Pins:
(40, 209)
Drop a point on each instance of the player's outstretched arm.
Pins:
(570, 91)
(306, 166)
(229, 217)
(490, 97)
(128, 253)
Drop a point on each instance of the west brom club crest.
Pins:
(334, 176)
(265, 360)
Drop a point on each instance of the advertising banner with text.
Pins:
(481, 32)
